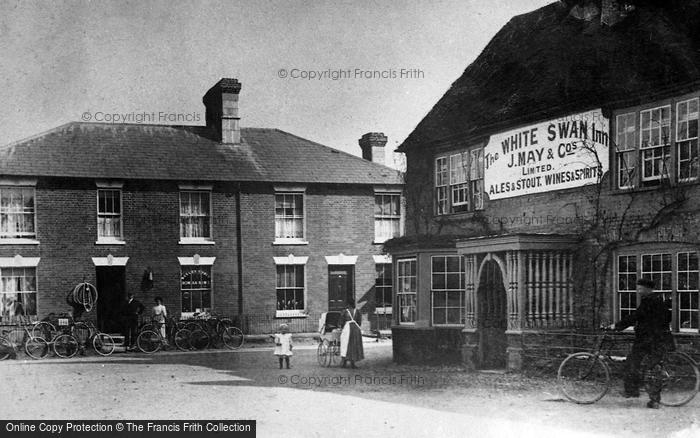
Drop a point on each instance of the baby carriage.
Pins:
(328, 351)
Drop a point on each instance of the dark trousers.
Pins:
(131, 331)
(643, 357)
(286, 360)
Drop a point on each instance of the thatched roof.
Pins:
(548, 63)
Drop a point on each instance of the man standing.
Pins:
(653, 337)
(132, 309)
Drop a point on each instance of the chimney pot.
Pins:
(372, 145)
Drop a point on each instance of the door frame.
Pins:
(350, 293)
(101, 291)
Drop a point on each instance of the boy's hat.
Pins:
(646, 283)
(284, 327)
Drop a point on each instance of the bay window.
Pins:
(676, 275)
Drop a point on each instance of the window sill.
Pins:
(637, 189)
(196, 242)
(110, 242)
(290, 314)
(458, 215)
(18, 241)
(290, 242)
(382, 312)
(687, 331)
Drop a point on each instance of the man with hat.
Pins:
(652, 338)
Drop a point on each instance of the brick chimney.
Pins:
(221, 103)
(372, 145)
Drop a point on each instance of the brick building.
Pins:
(557, 170)
(252, 222)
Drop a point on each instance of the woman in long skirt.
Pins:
(351, 337)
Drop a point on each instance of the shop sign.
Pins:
(558, 154)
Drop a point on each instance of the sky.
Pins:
(328, 71)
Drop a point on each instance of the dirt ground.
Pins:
(378, 399)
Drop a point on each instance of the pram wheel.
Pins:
(323, 353)
(334, 353)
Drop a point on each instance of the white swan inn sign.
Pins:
(558, 154)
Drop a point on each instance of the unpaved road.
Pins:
(378, 399)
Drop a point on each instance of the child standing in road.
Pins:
(283, 345)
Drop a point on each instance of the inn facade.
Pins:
(562, 166)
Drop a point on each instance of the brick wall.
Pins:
(339, 219)
(66, 215)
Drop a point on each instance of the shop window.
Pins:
(406, 290)
(447, 290)
(195, 289)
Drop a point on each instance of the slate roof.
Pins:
(547, 63)
(138, 151)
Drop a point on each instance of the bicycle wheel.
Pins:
(676, 376)
(583, 378)
(182, 339)
(36, 348)
(6, 348)
(103, 344)
(148, 341)
(232, 337)
(42, 329)
(65, 346)
(199, 339)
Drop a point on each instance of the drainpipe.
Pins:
(239, 250)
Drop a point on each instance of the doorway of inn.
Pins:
(492, 317)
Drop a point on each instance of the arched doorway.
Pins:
(492, 317)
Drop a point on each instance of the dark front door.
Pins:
(340, 286)
(492, 318)
(111, 287)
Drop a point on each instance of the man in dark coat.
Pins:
(653, 337)
(131, 311)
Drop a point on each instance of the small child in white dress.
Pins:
(283, 345)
